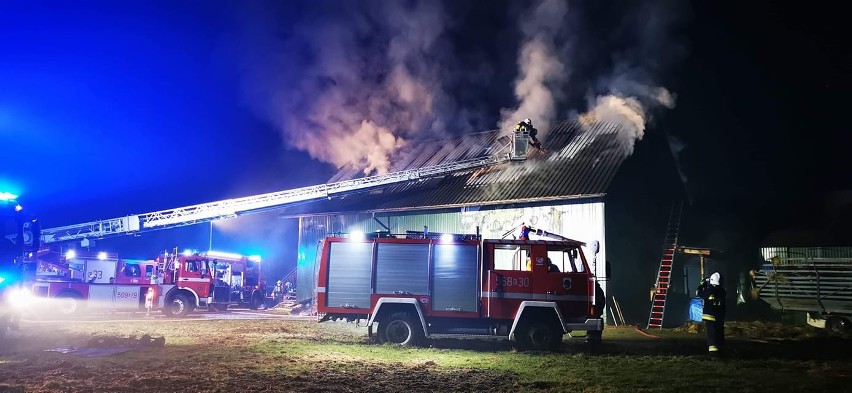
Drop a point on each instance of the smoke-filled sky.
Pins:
(111, 108)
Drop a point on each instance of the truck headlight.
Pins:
(19, 297)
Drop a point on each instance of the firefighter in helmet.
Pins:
(713, 315)
(526, 124)
(525, 232)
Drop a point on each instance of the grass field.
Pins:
(291, 355)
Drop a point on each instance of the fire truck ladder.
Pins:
(661, 287)
(231, 208)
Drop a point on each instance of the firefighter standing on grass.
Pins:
(714, 313)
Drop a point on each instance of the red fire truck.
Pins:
(416, 287)
(209, 279)
(173, 283)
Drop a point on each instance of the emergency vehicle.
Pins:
(19, 239)
(424, 285)
(173, 283)
(210, 279)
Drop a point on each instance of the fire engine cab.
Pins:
(209, 279)
(423, 285)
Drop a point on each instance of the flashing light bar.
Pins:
(254, 258)
(102, 256)
(447, 237)
(2, 279)
(7, 196)
(356, 235)
(221, 254)
(70, 254)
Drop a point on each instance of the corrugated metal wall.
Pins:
(806, 252)
(581, 220)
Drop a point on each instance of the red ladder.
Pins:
(658, 303)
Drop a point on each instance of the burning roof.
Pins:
(580, 162)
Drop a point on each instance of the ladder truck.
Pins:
(185, 296)
(423, 285)
(230, 208)
(173, 283)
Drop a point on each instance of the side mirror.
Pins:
(32, 235)
(596, 247)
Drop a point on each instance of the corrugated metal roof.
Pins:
(580, 162)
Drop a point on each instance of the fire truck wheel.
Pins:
(68, 303)
(178, 307)
(837, 325)
(539, 335)
(402, 329)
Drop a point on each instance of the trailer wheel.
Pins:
(837, 325)
(401, 329)
(539, 334)
(178, 307)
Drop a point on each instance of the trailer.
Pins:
(820, 286)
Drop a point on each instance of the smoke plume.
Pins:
(370, 79)
(628, 94)
(543, 74)
(627, 112)
(350, 83)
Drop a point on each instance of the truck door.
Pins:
(190, 276)
(510, 280)
(568, 282)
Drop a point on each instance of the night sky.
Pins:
(114, 108)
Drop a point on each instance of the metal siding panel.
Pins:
(350, 271)
(456, 277)
(311, 231)
(402, 268)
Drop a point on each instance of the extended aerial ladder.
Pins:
(230, 208)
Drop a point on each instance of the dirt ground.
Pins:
(210, 355)
(121, 353)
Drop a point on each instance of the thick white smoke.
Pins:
(628, 94)
(628, 112)
(355, 81)
(543, 74)
(369, 79)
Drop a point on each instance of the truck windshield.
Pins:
(567, 260)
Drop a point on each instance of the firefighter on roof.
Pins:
(526, 124)
(525, 232)
(714, 313)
